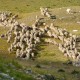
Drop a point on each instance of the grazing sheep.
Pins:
(9, 50)
(17, 53)
(32, 55)
(48, 14)
(26, 38)
(68, 10)
(51, 26)
(9, 38)
(61, 38)
(49, 33)
(42, 11)
(45, 12)
(60, 47)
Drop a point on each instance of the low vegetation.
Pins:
(49, 59)
(34, 5)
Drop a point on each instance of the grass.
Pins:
(49, 57)
(34, 5)
(11, 67)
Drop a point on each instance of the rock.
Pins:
(45, 77)
(69, 62)
(6, 76)
(49, 77)
(28, 71)
(38, 66)
(76, 63)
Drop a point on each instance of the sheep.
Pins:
(23, 47)
(73, 56)
(28, 54)
(15, 16)
(37, 40)
(61, 38)
(45, 12)
(23, 54)
(46, 28)
(26, 38)
(3, 17)
(9, 38)
(17, 53)
(54, 35)
(60, 32)
(51, 26)
(2, 36)
(69, 52)
(48, 40)
(63, 50)
(74, 37)
(65, 32)
(48, 14)
(49, 33)
(78, 57)
(60, 46)
(68, 10)
(54, 42)
(11, 47)
(42, 11)
(32, 55)
(9, 50)
(55, 29)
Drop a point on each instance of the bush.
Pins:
(74, 72)
(61, 70)
(38, 66)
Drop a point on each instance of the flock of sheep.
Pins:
(26, 38)
(7, 18)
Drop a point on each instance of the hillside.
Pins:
(49, 59)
